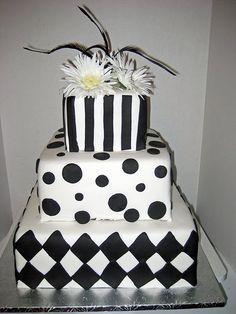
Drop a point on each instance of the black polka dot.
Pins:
(157, 210)
(117, 202)
(79, 196)
(50, 207)
(48, 178)
(61, 130)
(37, 165)
(82, 217)
(59, 135)
(153, 151)
(102, 181)
(130, 166)
(140, 187)
(61, 154)
(101, 156)
(131, 215)
(72, 173)
(157, 144)
(152, 135)
(55, 144)
(160, 171)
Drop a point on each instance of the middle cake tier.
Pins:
(128, 185)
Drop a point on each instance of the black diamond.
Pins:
(141, 274)
(169, 247)
(113, 247)
(30, 276)
(113, 274)
(191, 246)
(56, 246)
(28, 245)
(57, 276)
(85, 276)
(190, 274)
(84, 248)
(168, 275)
(142, 248)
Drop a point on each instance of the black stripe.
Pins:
(73, 146)
(89, 123)
(126, 122)
(108, 123)
(63, 117)
(142, 124)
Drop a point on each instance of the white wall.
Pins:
(217, 185)
(177, 32)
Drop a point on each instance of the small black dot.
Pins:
(152, 135)
(101, 156)
(59, 135)
(61, 154)
(140, 187)
(157, 210)
(102, 181)
(157, 144)
(61, 130)
(153, 151)
(160, 171)
(48, 178)
(37, 165)
(72, 173)
(50, 207)
(79, 196)
(82, 217)
(131, 215)
(130, 166)
(117, 202)
(55, 144)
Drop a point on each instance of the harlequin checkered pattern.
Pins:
(55, 263)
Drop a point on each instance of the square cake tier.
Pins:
(131, 185)
(100, 254)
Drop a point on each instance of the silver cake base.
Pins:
(208, 293)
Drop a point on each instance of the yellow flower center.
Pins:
(90, 81)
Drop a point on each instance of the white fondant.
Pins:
(182, 262)
(134, 124)
(153, 283)
(96, 198)
(43, 262)
(98, 267)
(126, 283)
(21, 261)
(98, 123)
(79, 120)
(127, 261)
(182, 224)
(155, 262)
(117, 122)
(71, 262)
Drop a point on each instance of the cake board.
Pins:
(208, 293)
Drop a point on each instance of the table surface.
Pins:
(208, 293)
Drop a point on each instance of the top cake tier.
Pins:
(106, 123)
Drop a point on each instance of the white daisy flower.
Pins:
(142, 81)
(87, 76)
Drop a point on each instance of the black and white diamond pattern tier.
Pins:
(100, 185)
(106, 253)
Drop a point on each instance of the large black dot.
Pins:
(101, 156)
(61, 154)
(102, 181)
(131, 215)
(55, 144)
(117, 202)
(157, 144)
(153, 151)
(48, 178)
(50, 207)
(82, 217)
(79, 196)
(160, 171)
(140, 187)
(130, 166)
(59, 135)
(157, 210)
(72, 173)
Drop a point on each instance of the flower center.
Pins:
(90, 81)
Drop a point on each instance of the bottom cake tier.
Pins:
(101, 254)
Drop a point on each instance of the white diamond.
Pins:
(182, 262)
(98, 262)
(127, 261)
(20, 261)
(155, 262)
(42, 262)
(71, 263)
